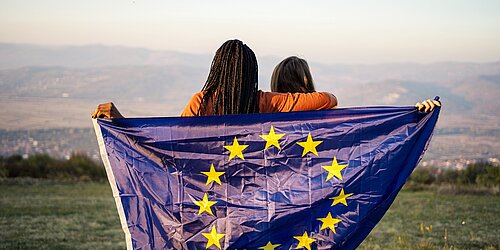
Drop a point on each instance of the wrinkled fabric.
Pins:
(271, 195)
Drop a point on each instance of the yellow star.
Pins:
(304, 241)
(309, 145)
(236, 149)
(205, 205)
(213, 238)
(272, 139)
(270, 246)
(341, 198)
(334, 169)
(213, 175)
(329, 222)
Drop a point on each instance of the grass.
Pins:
(41, 214)
(426, 220)
(55, 215)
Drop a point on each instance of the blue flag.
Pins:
(312, 180)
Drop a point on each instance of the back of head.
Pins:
(292, 75)
(231, 86)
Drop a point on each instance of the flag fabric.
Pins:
(311, 180)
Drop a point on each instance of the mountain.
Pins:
(22, 55)
(154, 83)
(48, 87)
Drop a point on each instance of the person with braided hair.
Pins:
(231, 86)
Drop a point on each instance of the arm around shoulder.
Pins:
(332, 101)
(313, 101)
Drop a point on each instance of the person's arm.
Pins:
(106, 110)
(287, 102)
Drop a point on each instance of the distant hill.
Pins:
(122, 83)
(45, 87)
(466, 85)
(22, 55)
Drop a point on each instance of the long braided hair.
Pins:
(231, 86)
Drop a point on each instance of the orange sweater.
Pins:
(270, 102)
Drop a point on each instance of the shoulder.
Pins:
(273, 101)
(193, 105)
(196, 99)
(198, 96)
(266, 100)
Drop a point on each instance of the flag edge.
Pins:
(112, 183)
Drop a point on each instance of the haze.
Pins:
(321, 31)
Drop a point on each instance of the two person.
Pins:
(232, 88)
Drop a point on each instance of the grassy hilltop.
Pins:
(48, 214)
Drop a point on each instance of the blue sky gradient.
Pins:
(323, 31)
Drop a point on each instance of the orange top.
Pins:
(270, 102)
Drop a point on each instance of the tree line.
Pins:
(77, 167)
(483, 174)
(81, 167)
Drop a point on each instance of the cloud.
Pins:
(390, 98)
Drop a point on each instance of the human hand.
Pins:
(427, 105)
(106, 110)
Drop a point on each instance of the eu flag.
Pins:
(313, 180)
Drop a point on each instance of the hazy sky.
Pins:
(323, 31)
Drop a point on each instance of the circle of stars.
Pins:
(273, 139)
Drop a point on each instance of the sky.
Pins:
(329, 31)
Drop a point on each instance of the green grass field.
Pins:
(55, 215)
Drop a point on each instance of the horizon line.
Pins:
(104, 45)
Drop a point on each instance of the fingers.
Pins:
(427, 105)
(105, 106)
(419, 105)
(103, 110)
(99, 114)
(424, 106)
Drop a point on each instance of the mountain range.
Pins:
(45, 87)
